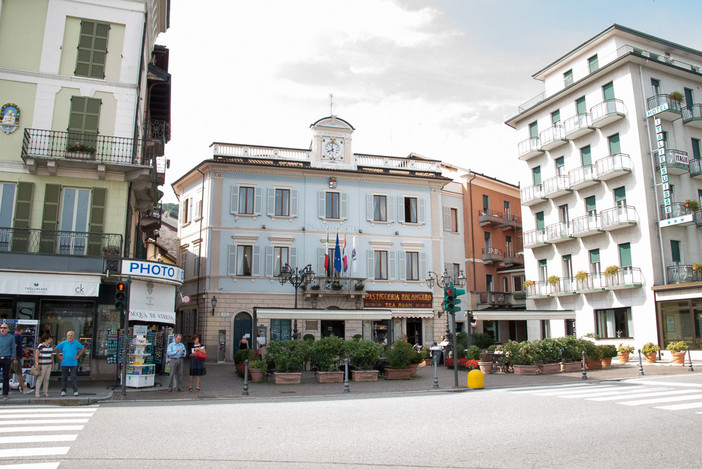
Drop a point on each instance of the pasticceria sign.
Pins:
(398, 299)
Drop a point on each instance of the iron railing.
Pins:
(53, 145)
(64, 243)
(679, 273)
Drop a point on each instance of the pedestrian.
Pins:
(444, 344)
(44, 362)
(8, 348)
(17, 362)
(69, 352)
(197, 365)
(176, 352)
(243, 343)
(261, 341)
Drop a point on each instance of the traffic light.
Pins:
(449, 298)
(456, 293)
(121, 296)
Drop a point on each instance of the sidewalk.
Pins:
(222, 382)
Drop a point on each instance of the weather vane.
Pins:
(331, 104)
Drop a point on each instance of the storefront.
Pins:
(412, 316)
(679, 315)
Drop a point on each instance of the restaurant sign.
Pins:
(392, 299)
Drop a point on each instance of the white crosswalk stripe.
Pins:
(41, 432)
(671, 396)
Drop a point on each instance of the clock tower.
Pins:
(331, 143)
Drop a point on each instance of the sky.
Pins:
(436, 78)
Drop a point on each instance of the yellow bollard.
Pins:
(476, 380)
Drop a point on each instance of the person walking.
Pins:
(176, 352)
(44, 362)
(197, 365)
(8, 348)
(243, 343)
(69, 351)
(16, 368)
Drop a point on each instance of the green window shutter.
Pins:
(486, 202)
(23, 212)
(536, 172)
(580, 106)
(586, 156)
(619, 194)
(696, 148)
(594, 256)
(590, 204)
(97, 220)
(560, 161)
(533, 130)
(556, 116)
(625, 255)
(688, 98)
(539, 220)
(49, 219)
(84, 121)
(608, 91)
(593, 63)
(614, 147)
(92, 49)
(675, 251)
(542, 262)
(568, 78)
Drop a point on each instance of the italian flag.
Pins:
(326, 255)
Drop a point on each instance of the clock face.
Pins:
(332, 150)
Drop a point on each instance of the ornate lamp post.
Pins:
(296, 277)
(214, 304)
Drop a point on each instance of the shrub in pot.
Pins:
(258, 370)
(607, 352)
(327, 354)
(363, 355)
(241, 356)
(678, 349)
(623, 352)
(650, 350)
(482, 340)
(400, 355)
(288, 356)
(473, 353)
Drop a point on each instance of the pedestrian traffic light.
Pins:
(121, 296)
(456, 293)
(449, 297)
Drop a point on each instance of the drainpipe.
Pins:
(199, 257)
(472, 234)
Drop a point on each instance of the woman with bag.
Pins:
(197, 362)
(43, 363)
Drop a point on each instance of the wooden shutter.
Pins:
(320, 204)
(256, 262)
(234, 200)
(23, 212)
(608, 91)
(536, 173)
(370, 216)
(421, 210)
(625, 255)
(293, 203)
(586, 156)
(446, 212)
(344, 209)
(231, 259)
(293, 257)
(97, 220)
(369, 264)
(400, 209)
(49, 223)
(268, 272)
(392, 265)
(402, 261)
(614, 147)
(92, 49)
(423, 266)
(84, 121)
(258, 199)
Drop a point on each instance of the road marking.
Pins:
(624, 392)
(24, 452)
(536, 388)
(34, 421)
(51, 410)
(663, 399)
(691, 405)
(640, 394)
(42, 428)
(573, 391)
(42, 416)
(36, 439)
(38, 465)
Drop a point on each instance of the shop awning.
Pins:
(325, 314)
(412, 313)
(522, 315)
(144, 315)
(17, 283)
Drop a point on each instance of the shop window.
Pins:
(281, 329)
(570, 327)
(57, 318)
(678, 322)
(613, 323)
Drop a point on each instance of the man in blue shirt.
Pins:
(176, 352)
(7, 355)
(69, 352)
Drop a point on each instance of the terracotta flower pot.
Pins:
(650, 357)
(623, 356)
(330, 376)
(398, 373)
(413, 368)
(607, 361)
(526, 369)
(257, 375)
(485, 367)
(593, 365)
(568, 367)
(364, 375)
(550, 368)
(679, 358)
(287, 378)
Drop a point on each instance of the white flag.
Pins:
(354, 264)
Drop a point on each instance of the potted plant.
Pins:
(288, 359)
(258, 370)
(336, 285)
(580, 279)
(111, 250)
(400, 355)
(623, 352)
(528, 283)
(692, 205)
(611, 271)
(607, 352)
(571, 353)
(697, 267)
(326, 355)
(78, 150)
(549, 352)
(240, 357)
(315, 285)
(359, 285)
(676, 96)
(650, 350)
(553, 282)
(485, 362)
(363, 355)
(522, 356)
(593, 355)
(678, 349)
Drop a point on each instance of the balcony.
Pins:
(698, 218)
(553, 137)
(532, 195)
(677, 214)
(627, 277)
(607, 112)
(618, 217)
(696, 168)
(556, 187)
(512, 222)
(537, 290)
(535, 239)
(512, 258)
(349, 287)
(663, 107)
(587, 225)
(558, 233)
(693, 116)
(593, 283)
(529, 148)
(492, 256)
(676, 161)
(493, 299)
(582, 177)
(491, 217)
(564, 287)
(613, 166)
(679, 273)
(577, 126)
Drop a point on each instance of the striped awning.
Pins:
(522, 315)
(412, 313)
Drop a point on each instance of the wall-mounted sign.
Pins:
(400, 299)
(138, 268)
(660, 152)
(9, 118)
(657, 110)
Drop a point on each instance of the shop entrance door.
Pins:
(414, 331)
(242, 326)
(333, 328)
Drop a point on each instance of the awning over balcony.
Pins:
(523, 315)
(16, 283)
(325, 314)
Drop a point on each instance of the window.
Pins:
(196, 266)
(411, 210)
(7, 204)
(488, 241)
(570, 326)
(568, 78)
(280, 329)
(614, 147)
(282, 202)
(688, 98)
(625, 255)
(456, 271)
(246, 200)
(74, 218)
(380, 208)
(489, 284)
(696, 148)
(595, 261)
(84, 121)
(545, 328)
(590, 206)
(592, 63)
(543, 270)
(586, 156)
(563, 216)
(655, 86)
(675, 251)
(412, 268)
(486, 203)
(454, 220)
(381, 265)
(533, 130)
(536, 175)
(332, 205)
(613, 323)
(556, 117)
(518, 283)
(608, 92)
(539, 217)
(184, 261)
(567, 266)
(281, 256)
(580, 106)
(92, 49)
(508, 246)
(620, 197)
(244, 256)
(507, 210)
(560, 166)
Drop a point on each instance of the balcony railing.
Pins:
(535, 238)
(557, 233)
(531, 195)
(607, 112)
(693, 116)
(553, 137)
(537, 290)
(556, 186)
(627, 277)
(513, 222)
(578, 126)
(512, 258)
(354, 286)
(564, 286)
(618, 217)
(676, 161)
(529, 148)
(491, 217)
(493, 299)
(52, 145)
(677, 209)
(64, 243)
(587, 225)
(491, 255)
(679, 273)
(668, 108)
(594, 282)
(613, 166)
(582, 177)
(696, 168)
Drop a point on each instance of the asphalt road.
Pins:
(652, 422)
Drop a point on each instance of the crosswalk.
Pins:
(34, 437)
(669, 396)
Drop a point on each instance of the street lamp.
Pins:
(297, 278)
(214, 303)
